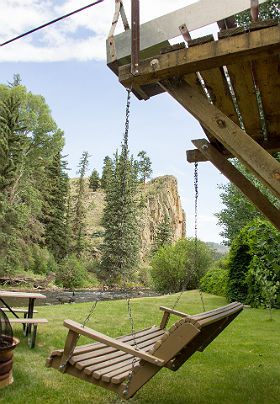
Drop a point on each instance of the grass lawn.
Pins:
(241, 366)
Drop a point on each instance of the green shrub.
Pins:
(254, 265)
(215, 280)
(71, 273)
(174, 267)
(43, 260)
(144, 276)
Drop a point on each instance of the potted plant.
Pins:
(7, 344)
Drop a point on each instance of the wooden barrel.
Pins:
(6, 365)
(6, 379)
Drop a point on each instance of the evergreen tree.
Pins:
(57, 232)
(121, 241)
(29, 138)
(11, 142)
(107, 172)
(94, 181)
(78, 228)
(144, 166)
(163, 234)
(16, 81)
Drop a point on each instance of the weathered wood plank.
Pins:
(193, 80)
(268, 78)
(219, 92)
(242, 80)
(241, 145)
(248, 46)
(272, 146)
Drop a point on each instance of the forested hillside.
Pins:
(33, 183)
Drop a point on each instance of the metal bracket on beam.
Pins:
(255, 10)
(135, 37)
(185, 32)
(119, 11)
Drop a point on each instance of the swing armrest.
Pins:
(166, 315)
(104, 339)
(175, 312)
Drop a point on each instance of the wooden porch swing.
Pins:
(125, 364)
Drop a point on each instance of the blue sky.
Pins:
(88, 103)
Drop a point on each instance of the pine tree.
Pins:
(78, 228)
(11, 142)
(57, 232)
(121, 241)
(107, 172)
(29, 140)
(94, 181)
(163, 234)
(144, 166)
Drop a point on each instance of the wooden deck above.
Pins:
(239, 74)
(232, 87)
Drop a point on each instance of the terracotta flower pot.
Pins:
(6, 364)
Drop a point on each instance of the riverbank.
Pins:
(61, 296)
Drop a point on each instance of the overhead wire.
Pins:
(51, 22)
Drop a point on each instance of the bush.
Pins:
(144, 276)
(254, 265)
(174, 266)
(71, 273)
(43, 261)
(216, 279)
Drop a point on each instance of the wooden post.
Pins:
(235, 176)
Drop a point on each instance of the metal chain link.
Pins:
(127, 296)
(91, 311)
(196, 232)
(195, 274)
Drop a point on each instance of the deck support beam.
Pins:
(239, 180)
(265, 167)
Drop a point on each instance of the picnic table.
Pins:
(29, 323)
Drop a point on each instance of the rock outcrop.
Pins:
(160, 197)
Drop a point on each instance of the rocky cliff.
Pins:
(160, 197)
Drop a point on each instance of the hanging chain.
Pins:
(196, 231)
(91, 311)
(195, 273)
(124, 282)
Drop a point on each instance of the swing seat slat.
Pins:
(111, 363)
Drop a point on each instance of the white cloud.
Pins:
(81, 37)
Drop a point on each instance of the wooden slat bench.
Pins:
(110, 363)
(33, 323)
(17, 310)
